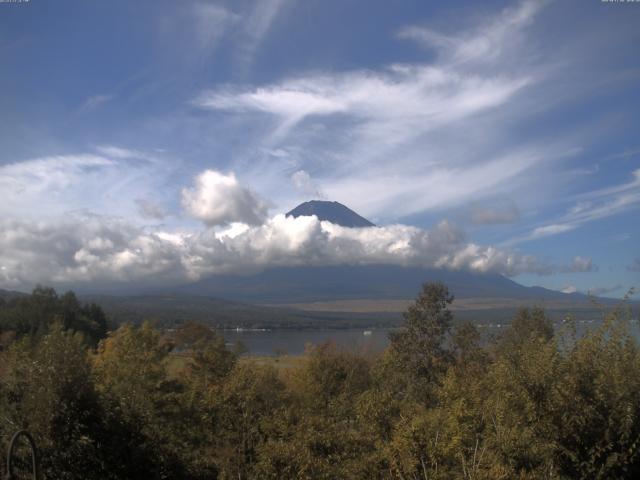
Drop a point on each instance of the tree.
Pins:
(33, 316)
(420, 351)
(597, 409)
(47, 389)
(143, 403)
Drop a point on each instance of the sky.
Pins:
(157, 143)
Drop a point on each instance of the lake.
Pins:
(293, 342)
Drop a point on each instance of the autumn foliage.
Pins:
(439, 403)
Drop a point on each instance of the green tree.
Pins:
(33, 316)
(420, 350)
(597, 412)
(144, 404)
(47, 389)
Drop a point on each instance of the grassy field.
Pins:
(371, 305)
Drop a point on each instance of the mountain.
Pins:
(333, 212)
(289, 285)
(317, 284)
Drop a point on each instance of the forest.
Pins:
(441, 402)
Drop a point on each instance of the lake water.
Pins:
(293, 342)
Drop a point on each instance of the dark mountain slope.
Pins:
(333, 212)
(307, 284)
(9, 294)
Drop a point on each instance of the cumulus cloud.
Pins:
(101, 251)
(218, 199)
(568, 289)
(84, 250)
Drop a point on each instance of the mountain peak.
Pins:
(333, 212)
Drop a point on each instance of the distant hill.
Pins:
(309, 284)
(333, 212)
(9, 294)
(174, 309)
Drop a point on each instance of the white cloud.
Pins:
(377, 117)
(568, 289)
(402, 101)
(210, 23)
(590, 206)
(400, 139)
(480, 44)
(219, 199)
(191, 32)
(256, 27)
(98, 251)
(305, 184)
(106, 182)
(22, 181)
(120, 153)
(84, 250)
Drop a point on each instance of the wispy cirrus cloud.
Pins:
(255, 27)
(95, 101)
(387, 140)
(211, 22)
(21, 181)
(368, 117)
(402, 102)
(108, 179)
(480, 44)
(591, 206)
(192, 33)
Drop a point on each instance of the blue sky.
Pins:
(157, 142)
